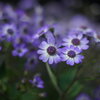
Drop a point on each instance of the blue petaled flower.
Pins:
(20, 51)
(37, 81)
(8, 32)
(49, 51)
(77, 41)
(83, 96)
(71, 55)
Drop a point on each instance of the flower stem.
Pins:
(53, 79)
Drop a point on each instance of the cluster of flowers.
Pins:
(25, 31)
(70, 49)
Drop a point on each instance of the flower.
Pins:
(37, 81)
(8, 32)
(77, 41)
(32, 61)
(71, 55)
(87, 31)
(20, 51)
(97, 93)
(49, 51)
(83, 96)
(96, 37)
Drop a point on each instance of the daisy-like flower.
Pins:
(49, 51)
(37, 81)
(83, 96)
(96, 37)
(8, 32)
(71, 55)
(20, 51)
(86, 31)
(77, 41)
(32, 61)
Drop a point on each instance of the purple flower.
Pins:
(41, 32)
(97, 93)
(37, 81)
(71, 55)
(87, 31)
(0, 48)
(31, 61)
(8, 32)
(96, 37)
(20, 51)
(83, 96)
(49, 51)
(77, 41)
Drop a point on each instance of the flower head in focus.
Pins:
(71, 55)
(49, 51)
(77, 41)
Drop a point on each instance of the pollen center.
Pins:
(76, 41)
(71, 54)
(51, 50)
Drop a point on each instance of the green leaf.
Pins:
(13, 93)
(75, 89)
(66, 78)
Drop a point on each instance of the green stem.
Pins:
(53, 79)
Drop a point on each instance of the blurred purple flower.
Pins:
(20, 51)
(83, 96)
(37, 81)
(97, 93)
(96, 37)
(8, 32)
(32, 60)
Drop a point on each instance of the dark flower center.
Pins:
(32, 61)
(10, 31)
(84, 27)
(98, 36)
(76, 41)
(19, 50)
(51, 50)
(25, 30)
(71, 54)
(5, 20)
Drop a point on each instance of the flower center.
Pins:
(84, 27)
(25, 30)
(98, 36)
(10, 31)
(71, 54)
(76, 41)
(32, 61)
(51, 50)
